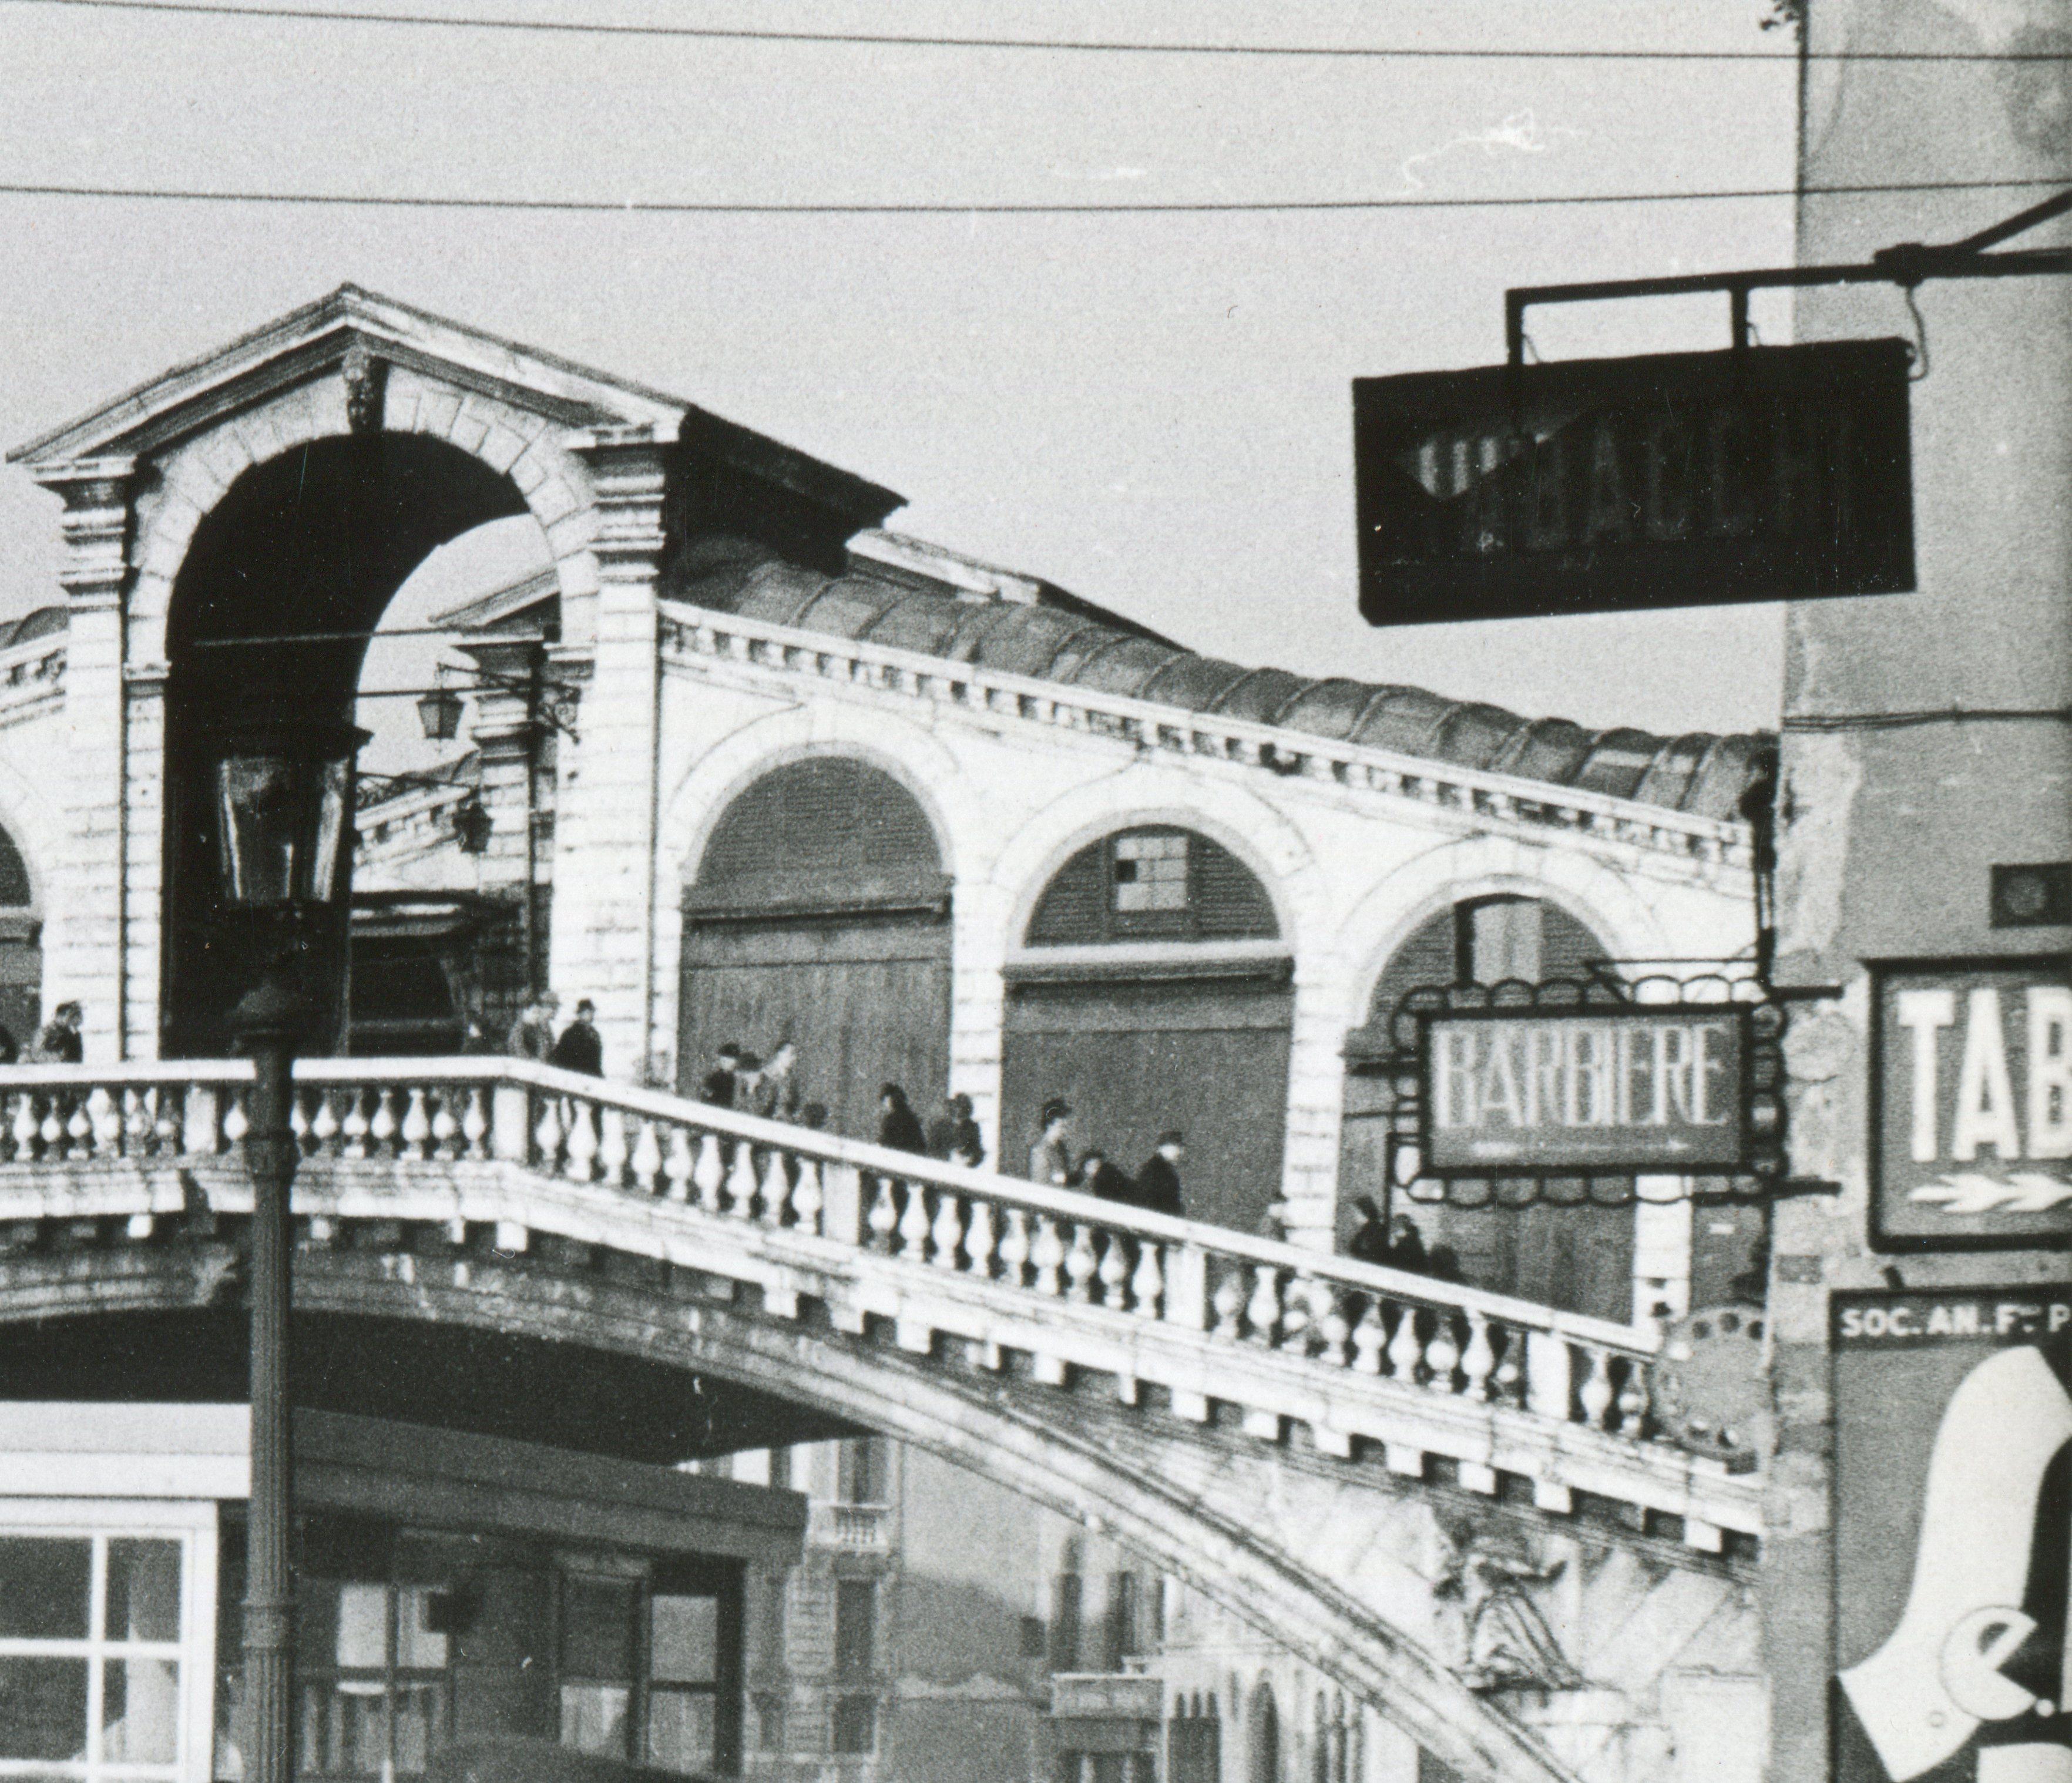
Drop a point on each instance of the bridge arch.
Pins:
(977, 1422)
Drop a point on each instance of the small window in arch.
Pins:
(1152, 884)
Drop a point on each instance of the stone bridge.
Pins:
(1450, 1501)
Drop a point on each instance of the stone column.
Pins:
(604, 869)
(82, 947)
(1315, 1110)
(510, 741)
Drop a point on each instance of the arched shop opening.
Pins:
(1568, 1242)
(1147, 995)
(21, 948)
(280, 591)
(820, 915)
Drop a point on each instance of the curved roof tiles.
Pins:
(1699, 773)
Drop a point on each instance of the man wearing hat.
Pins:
(1049, 1161)
(1158, 1182)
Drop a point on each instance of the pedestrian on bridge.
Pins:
(1158, 1182)
(59, 1043)
(953, 1135)
(898, 1127)
(717, 1090)
(1049, 1162)
(579, 1048)
(532, 1035)
(774, 1093)
(1108, 1181)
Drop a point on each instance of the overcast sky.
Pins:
(1152, 411)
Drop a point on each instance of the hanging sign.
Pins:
(1972, 1104)
(1525, 1092)
(1953, 1512)
(1594, 486)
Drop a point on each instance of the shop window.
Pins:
(855, 1726)
(90, 1659)
(650, 1661)
(683, 1681)
(861, 1479)
(372, 1669)
(597, 1655)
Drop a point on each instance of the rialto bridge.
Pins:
(743, 764)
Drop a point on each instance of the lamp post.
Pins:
(283, 797)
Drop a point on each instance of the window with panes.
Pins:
(1155, 883)
(647, 1669)
(91, 1665)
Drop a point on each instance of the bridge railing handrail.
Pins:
(981, 1231)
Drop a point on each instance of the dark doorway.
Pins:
(283, 586)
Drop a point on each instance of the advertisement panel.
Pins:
(1971, 1103)
(1594, 486)
(1526, 1092)
(1953, 1535)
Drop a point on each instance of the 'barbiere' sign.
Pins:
(1971, 1094)
(1593, 486)
(1517, 1092)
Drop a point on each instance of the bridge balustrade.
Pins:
(1252, 1294)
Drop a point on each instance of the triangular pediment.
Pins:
(313, 342)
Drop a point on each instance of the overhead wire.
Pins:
(747, 34)
(435, 201)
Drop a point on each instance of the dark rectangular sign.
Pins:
(1972, 1104)
(1594, 486)
(1526, 1093)
(1953, 1501)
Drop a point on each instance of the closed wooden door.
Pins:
(865, 1002)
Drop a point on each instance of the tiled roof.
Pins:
(1698, 772)
(44, 623)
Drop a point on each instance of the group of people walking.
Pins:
(58, 1044)
(577, 1047)
(1155, 1188)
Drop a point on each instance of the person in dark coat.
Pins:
(717, 1089)
(532, 1035)
(1370, 1242)
(1406, 1248)
(579, 1048)
(953, 1135)
(60, 1044)
(1158, 1182)
(1099, 1176)
(9, 1052)
(898, 1127)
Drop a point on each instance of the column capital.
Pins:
(96, 526)
(630, 474)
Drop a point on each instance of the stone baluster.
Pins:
(776, 1187)
(104, 1117)
(474, 1124)
(1404, 1351)
(167, 1110)
(807, 1197)
(446, 1125)
(25, 1128)
(1442, 1353)
(741, 1182)
(52, 1132)
(1262, 1311)
(1147, 1283)
(913, 1226)
(679, 1167)
(1508, 1378)
(353, 1128)
(1081, 1264)
(883, 1216)
(647, 1159)
(1596, 1394)
(201, 1121)
(1370, 1337)
(383, 1128)
(980, 1238)
(1228, 1302)
(1633, 1399)
(1046, 1255)
(581, 1146)
(1295, 1332)
(416, 1131)
(137, 1121)
(237, 1120)
(611, 1147)
(323, 1124)
(299, 1120)
(1479, 1359)
(1114, 1270)
(948, 1233)
(1014, 1249)
(1327, 1318)
(709, 1177)
(547, 1135)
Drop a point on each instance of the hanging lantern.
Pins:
(439, 713)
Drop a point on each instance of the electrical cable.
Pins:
(572, 28)
(430, 201)
(1821, 723)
